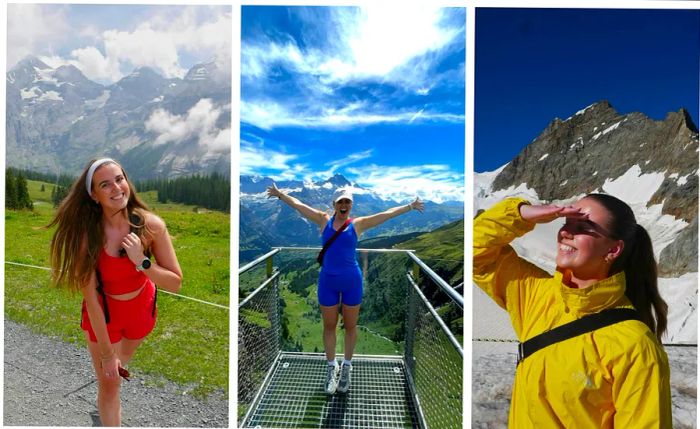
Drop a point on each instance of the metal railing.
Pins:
(259, 332)
(432, 352)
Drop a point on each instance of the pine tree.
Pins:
(10, 190)
(59, 194)
(23, 199)
(42, 188)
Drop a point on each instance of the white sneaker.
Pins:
(332, 378)
(344, 383)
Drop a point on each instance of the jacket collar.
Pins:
(607, 293)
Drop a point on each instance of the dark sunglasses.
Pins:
(123, 373)
(586, 226)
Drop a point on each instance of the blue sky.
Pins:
(106, 42)
(355, 91)
(533, 65)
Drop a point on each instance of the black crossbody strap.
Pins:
(330, 241)
(574, 329)
(101, 291)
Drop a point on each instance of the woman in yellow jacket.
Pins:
(613, 377)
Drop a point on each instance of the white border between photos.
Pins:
(470, 7)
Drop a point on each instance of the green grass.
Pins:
(190, 342)
(442, 249)
(305, 327)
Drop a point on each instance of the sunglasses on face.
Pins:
(585, 226)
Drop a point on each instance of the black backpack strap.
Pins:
(155, 299)
(101, 291)
(330, 241)
(578, 327)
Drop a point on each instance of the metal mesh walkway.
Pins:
(293, 396)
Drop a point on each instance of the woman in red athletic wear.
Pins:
(102, 246)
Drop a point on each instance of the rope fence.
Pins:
(213, 304)
(505, 340)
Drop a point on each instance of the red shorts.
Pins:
(132, 319)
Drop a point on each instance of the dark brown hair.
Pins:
(638, 263)
(79, 235)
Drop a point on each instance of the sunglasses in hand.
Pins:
(124, 373)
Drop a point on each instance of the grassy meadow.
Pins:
(190, 344)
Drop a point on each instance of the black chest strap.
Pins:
(578, 327)
(101, 291)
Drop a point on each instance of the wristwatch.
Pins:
(145, 264)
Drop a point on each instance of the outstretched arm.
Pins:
(316, 216)
(366, 222)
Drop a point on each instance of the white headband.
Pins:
(91, 171)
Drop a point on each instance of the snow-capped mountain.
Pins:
(268, 222)
(652, 165)
(57, 119)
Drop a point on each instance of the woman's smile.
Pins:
(564, 248)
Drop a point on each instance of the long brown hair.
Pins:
(638, 263)
(79, 236)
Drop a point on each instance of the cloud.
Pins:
(212, 36)
(256, 159)
(144, 46)
(159, 42)
(199, 122)
(93, 64)
(350, 159)
(380, 44)
(352, 66)
(32, 27)
(364, 43)
(268, 115)
(429, 182)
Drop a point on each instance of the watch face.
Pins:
(146, 264)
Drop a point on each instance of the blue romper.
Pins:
(340, 274)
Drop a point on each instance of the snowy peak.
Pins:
(141, 86)
(70, 74)
(65, 111)
(202, 71)
(140, 77)
(30, 62)
(337, 181)
(257, 184)
(28, 71)
(32, 82)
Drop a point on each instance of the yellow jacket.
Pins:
(614, 377)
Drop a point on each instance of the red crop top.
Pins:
(119, 274)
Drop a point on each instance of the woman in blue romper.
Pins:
(340, 279)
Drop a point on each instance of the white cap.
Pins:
(342, 193)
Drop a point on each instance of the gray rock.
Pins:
(681, 256)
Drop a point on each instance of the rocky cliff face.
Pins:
(57, 119)
(583, 153)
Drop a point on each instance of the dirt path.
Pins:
(51, 383)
